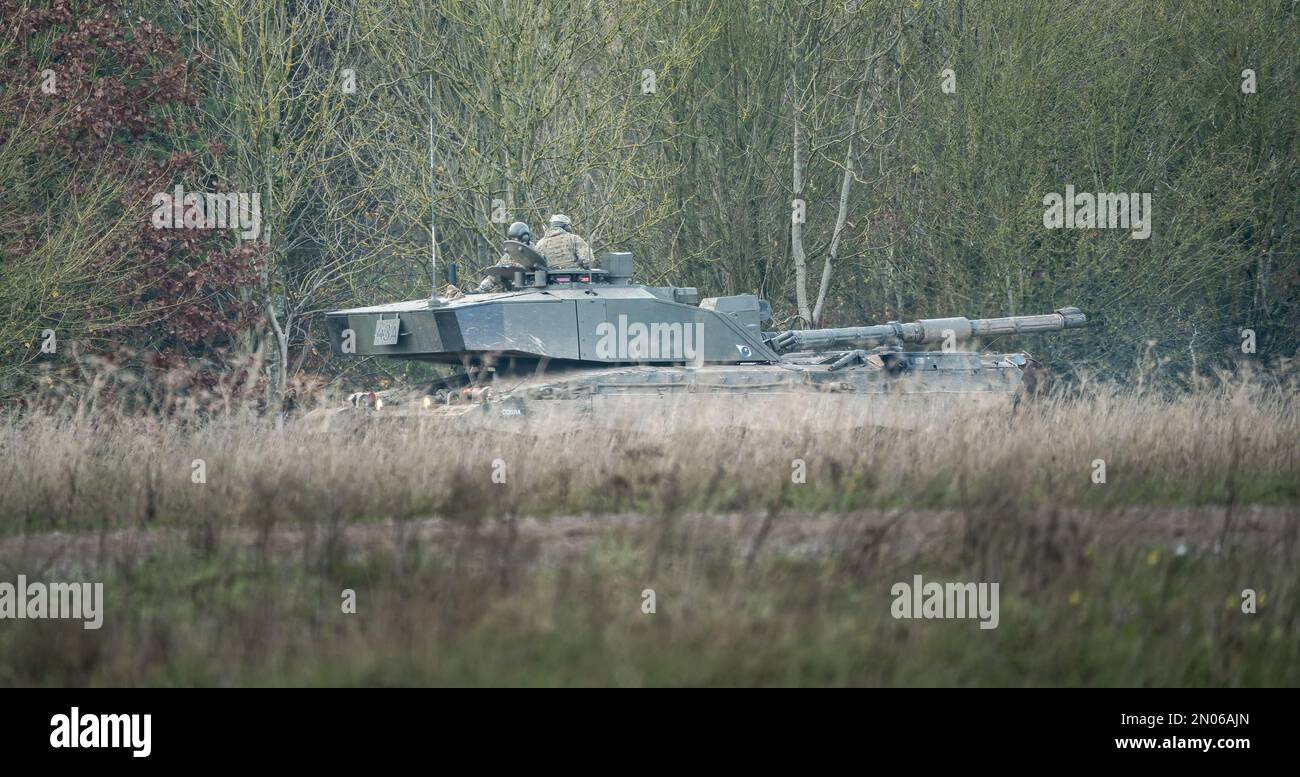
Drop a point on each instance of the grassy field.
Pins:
(757, 578)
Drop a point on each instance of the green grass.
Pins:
(1073, 616)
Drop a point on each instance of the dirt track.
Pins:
(1183, 530)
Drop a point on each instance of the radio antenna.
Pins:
(433, 181)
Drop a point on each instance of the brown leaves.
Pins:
(120, 83)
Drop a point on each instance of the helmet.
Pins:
(519, 231)
(562, 221)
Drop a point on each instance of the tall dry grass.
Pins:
(83, 471)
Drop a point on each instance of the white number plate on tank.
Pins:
(386, 331)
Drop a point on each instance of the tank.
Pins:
(592, 346)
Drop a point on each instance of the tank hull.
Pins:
(654, 398)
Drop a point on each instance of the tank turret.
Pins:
(568, 315)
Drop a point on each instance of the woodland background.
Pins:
(919, 202)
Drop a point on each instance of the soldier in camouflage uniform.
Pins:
(563, 249)
(518, 231)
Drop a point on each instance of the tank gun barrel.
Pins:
(925, 331)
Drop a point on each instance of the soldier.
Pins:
(520, 232)
(563, 249)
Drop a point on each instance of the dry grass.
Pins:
(759, 579)
(70, 472)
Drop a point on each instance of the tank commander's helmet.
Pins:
(562, 221)
(519, 231)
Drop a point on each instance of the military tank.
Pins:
(592, 346)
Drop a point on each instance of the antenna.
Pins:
(433, 183)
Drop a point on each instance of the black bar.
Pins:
(924, 727)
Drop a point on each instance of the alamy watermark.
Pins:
(1103, 210)
(946, 600)
(675, 340)
(212, 210)
(127, 731)
(56, 601)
